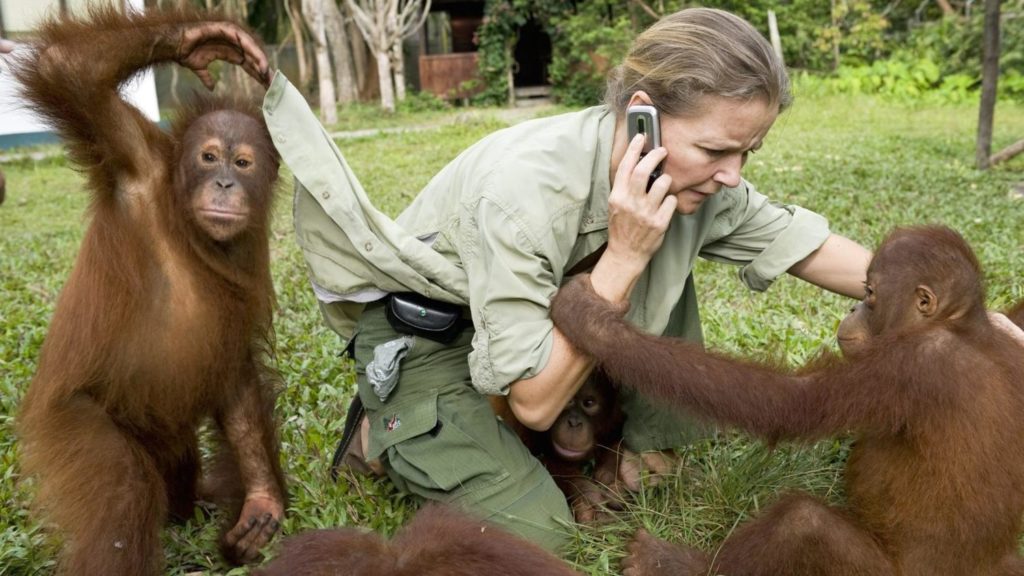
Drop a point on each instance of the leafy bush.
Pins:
(879, 48)
(594, 36)
(1011, 85)
(893, 79)
(956, 44)
(940, 61)
(591, 42)
(496, 38)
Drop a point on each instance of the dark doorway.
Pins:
(532, 56)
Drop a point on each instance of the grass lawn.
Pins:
(867, 165)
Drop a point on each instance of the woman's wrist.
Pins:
(614, 276)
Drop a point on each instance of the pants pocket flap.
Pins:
(401, 421)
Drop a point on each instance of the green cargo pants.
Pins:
(438, 439)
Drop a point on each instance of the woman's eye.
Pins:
(713, 152)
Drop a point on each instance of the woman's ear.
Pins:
(639, 98)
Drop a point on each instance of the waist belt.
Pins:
(416, 315)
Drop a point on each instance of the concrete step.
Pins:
(532, 92)
(532, 102)
(530, 96)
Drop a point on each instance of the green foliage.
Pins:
(591, 39)
(590, 42)
(871, 46)
(956, 44)
(855, 32)
(496, 39)
(865, 163)
(893, 79)
(1011, 85)
(939, 61)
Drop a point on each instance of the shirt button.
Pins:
(325, 195)
(368, 246)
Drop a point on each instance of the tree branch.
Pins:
(643, 6)
(1007, 153)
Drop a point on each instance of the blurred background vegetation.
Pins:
(901, 48)
(906, 49)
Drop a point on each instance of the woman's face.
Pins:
(707, 150)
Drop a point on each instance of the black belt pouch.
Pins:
(417, 315)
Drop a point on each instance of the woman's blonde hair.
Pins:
(699, 52)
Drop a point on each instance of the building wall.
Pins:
(18, 125)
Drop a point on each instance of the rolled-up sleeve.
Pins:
(764, 238)
(510, 289)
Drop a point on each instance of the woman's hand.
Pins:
(637, 221)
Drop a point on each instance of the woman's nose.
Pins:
(728, 173)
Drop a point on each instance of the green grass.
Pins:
(865, 164)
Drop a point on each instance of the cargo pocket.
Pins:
(435, 455)
(397, 422)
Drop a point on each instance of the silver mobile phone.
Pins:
(642, 119)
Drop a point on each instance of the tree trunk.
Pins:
(360, 54)
(835, 39)
(383, 24)
(337, 38)
(176, 70)
(234, 79)
(398, 68)
(989, 83)
(314, 12)
(387, 93)
(294, 10)
(510, 59)
(395, 32)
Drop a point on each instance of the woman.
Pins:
(500, 227)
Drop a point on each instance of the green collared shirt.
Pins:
(500, 225)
